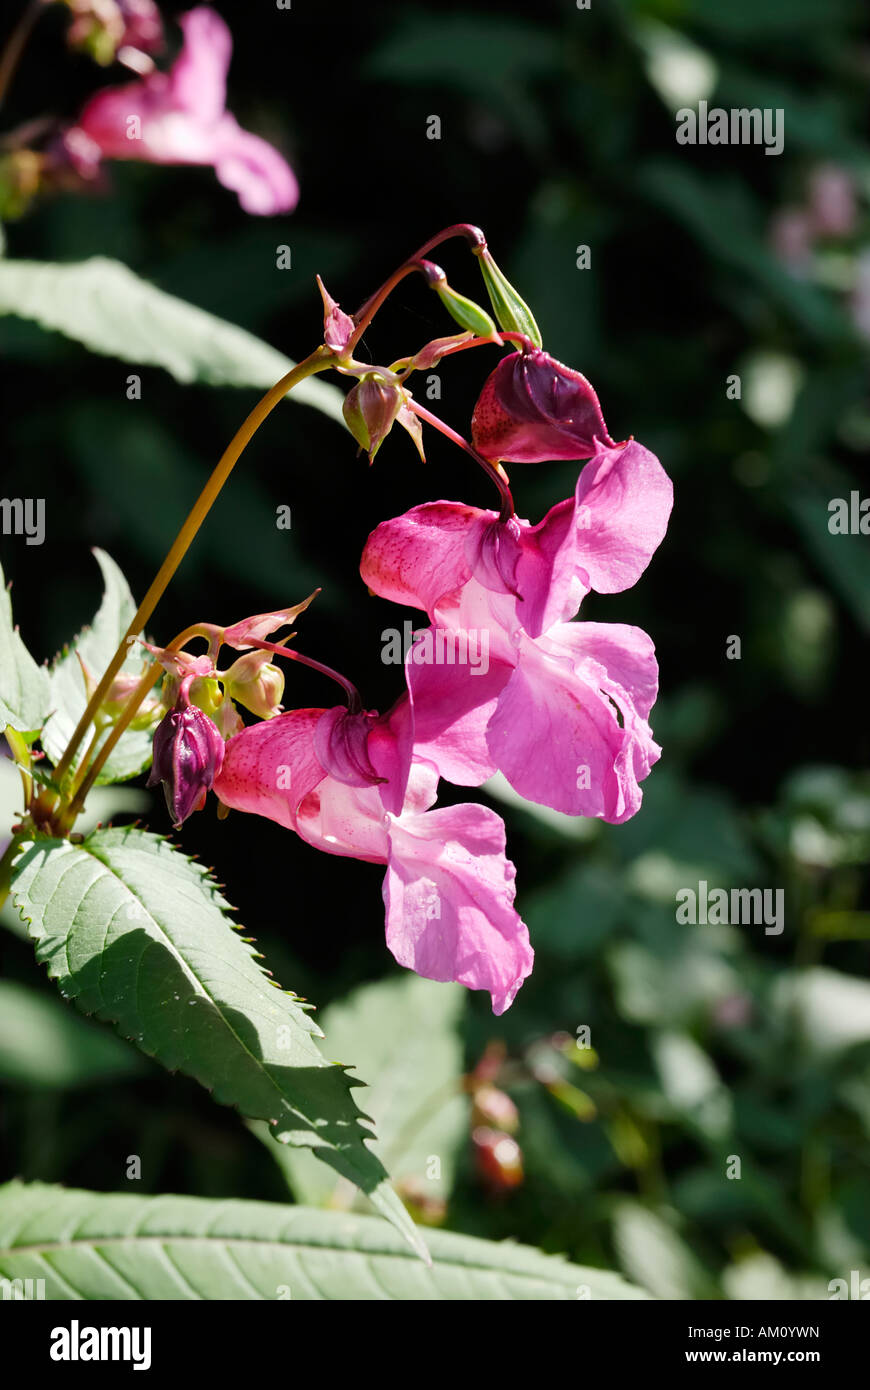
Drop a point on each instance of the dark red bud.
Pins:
(532, 408)
(188, 755)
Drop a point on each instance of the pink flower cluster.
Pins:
(180, 117)
(561, 708)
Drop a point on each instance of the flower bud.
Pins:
(102, 28)
(188, 755)
(512, 314)
(498, 1158)
(370, 410)
(494, 1107)
(255, 682)
(466, 313)
(338, 327)
(533, 408)
(118, 694)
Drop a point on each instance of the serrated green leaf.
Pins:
(402, 1038)
(24, 698)
(98, 1246)
(109, 309)
(96, 646)
(137, 934)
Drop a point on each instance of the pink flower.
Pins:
(532, 408)
(561, 708)
(448, 888)
(180, 117)
(564, 716)
(602, 539)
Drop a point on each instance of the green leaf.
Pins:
(24, 698)
(137, 934)
(651, 1252)
(99, 1246)
(109, 309)
(402, 1035)
(43, 1044)
(96, 646)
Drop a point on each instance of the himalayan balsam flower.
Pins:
(180, 117)
(562, 710)
(335, 779)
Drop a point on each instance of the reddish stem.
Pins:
(354, 703)
(363, 317)
(492, 470)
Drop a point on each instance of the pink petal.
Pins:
(198, 79)
(556, 726)
(254, 170)
(449, 894)
(419, 558)
(603, 540)
(451, 710)
(271, 767)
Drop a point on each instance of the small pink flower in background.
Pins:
(791, 236)
(448, 888)
(860, 302)
(832, 203)
(106, 28)
(180, 117)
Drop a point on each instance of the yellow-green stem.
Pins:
(317, 362)
(76, 805)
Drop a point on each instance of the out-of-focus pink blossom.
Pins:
(861, 296)
(832, 205)
(105, 28)
(448, 888)
(791, 236)
(180, 117)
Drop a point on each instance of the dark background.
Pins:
(553, 135)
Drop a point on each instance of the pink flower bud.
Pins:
(494, 1107)
(256, 683)
(338, 327)
(533, 408)
(370, 409)
(188, 755)
(499, 1159)
(103, 27)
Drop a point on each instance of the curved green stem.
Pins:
(317, 362)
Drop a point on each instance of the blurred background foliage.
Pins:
(707, 1043)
